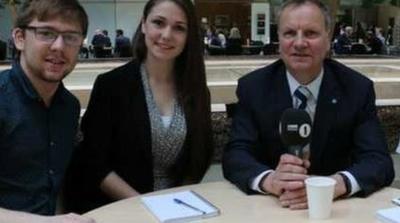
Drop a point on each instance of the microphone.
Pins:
(295, 130)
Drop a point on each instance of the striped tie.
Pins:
(302, 94)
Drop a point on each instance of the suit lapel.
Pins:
(329, 99)
(278, 100)
(138, 108)
(282, 98)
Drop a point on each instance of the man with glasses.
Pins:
(38, 116)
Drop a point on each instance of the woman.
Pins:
(234, 42)
(147, 126)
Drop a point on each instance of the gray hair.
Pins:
(234, 33)
(296, 3)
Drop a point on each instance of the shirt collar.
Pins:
(23, 81)
(313, 86)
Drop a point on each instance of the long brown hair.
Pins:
(192, 91)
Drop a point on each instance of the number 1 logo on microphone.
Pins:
(305, 130)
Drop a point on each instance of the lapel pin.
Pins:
(334, 101)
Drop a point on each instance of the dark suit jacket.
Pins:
(346, 131)
(117, 137)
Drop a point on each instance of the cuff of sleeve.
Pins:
(255, 183)
(352, 185)
(355, 187)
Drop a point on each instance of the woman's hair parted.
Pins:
(189, 65)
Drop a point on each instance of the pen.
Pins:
(396, 201)
(178, 201)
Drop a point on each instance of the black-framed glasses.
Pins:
(49, 35)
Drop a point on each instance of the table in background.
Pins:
(252, 49)
(235, 206)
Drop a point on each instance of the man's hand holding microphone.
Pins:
(287, 181)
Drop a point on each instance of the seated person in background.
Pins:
(389, 35)
(107, 40)
(98, 38)
(214, 45)
(148, 123)
(214, 41)
(343, 43)
(107, 47)
(379, 35)
(234, 42)
(122, 44)
(359, 33)
(347, 142)
(374, 43)
(222, 38)
(38, 116)
(99, 42)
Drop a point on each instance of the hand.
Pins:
(288, 175)
(69, 218)
(297, 199)
(340, 187)
(294, 199)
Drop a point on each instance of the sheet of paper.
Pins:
(390, 215)
(167, 210)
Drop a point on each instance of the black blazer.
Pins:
(117, 137)
(346, 131)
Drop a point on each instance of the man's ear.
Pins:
(18, 35)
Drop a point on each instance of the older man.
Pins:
(347, 143)
(38, 115)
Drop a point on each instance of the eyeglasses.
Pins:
(48, 35)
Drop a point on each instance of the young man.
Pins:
(38, 116)
(347, 142)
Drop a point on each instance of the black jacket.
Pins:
(117, 137)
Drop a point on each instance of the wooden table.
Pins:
(235, 206)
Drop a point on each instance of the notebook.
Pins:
(183, 206)
(389, 215)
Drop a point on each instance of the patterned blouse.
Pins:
(167, 141)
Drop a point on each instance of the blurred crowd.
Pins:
(360, 40)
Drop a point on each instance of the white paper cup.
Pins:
(319, 196)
